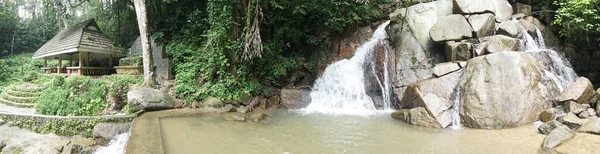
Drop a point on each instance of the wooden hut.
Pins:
(87, 49)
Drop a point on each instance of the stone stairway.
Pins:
(23, 95)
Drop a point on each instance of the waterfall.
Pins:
(456, 107)
(341, 89)
(115, 146)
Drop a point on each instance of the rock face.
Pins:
(482, 24)
(500, 91)
(509, 28)
(473, 6)
(105, 132)
(498, 43)
(414, 50)
(149, 99)
(295, 98)
(458, 51)
(416, 116)
(451, 28)
(557, 136)
(571, 120)
(503, 10)
(581, 92)
(592, 126)
(443, 69)
(435, 95)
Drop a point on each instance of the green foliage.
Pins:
(78, 95)
(131, 61)
(579, 20)
(30, 76)
(120, 85)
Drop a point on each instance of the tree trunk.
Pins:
(12, 43)
(140, 10)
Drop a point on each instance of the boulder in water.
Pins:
(571, 120)
(149, 99)
(581, 92)
(557, 136)
(547, 127)
(105, 132)
(498, 43)
(213, 102)
(501, 90)
(416, 116)
(458, 51)
(451, 28)
(503, 10)
(436, 95)
(482, 24)
(295, 98)
(592, 126)
(473, 6)
(509, 28)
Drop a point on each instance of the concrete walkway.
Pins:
(15, 110)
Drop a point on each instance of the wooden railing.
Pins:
(90, 71)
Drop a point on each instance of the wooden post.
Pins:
(59, 64)
(70, 60)
(46, 65)
(88, 59)
(110, 61)
(79, 70)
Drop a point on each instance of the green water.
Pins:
(293, 132)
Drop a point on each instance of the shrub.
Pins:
(30, 76)
(579, 20)
(76, 96)
(120, 84)
(131, 61)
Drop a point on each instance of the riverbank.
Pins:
(17, 140)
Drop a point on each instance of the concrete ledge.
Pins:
(62, 125)
(22, 105)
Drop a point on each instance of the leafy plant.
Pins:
(131, 61)
(579, 20)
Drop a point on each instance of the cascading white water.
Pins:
(341, 89)
(456, 108)
(115, 146)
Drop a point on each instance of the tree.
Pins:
(140, 10)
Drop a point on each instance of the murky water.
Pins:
(293, 132)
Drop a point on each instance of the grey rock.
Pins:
(522, 8)
(473, 6)
(458, 51)
(591, 112)
(416, 116)
(498, 43)
(435, 95)
(451, 28)
(213, 102)
(548, 115)
(503, 10)
(571, 120)
(557, 136)
(479, 49)
(442, 69)
(592, 126)
(244, 109)
(583, 114)
(487, 83)
(295, 98)
(574, 107)
(509, 28)
(149, 99)
(2, 122)
(104, 132)
(581, 92)
(257, 116)
(227, 108)
(482, 24)
(547, 127)
(518, 16)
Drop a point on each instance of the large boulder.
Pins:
(436, 95)
(473, 6)
(458, 51)
(295, 98)
(451, 28)
(501, 90)
(503, 10)
(416, 116)
(509, 28)
(149, 99)
(592, 126)
(105, 132)
(581, 92)
(482, 24)
(414, 51)
(557, 136)
(498, 43)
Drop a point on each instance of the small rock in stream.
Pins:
(257, 117)
(593, 126)
(571, 121)
(557, 136)
(547, 127)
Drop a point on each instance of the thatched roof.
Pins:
(85, 36)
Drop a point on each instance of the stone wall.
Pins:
(61, 125)
(164, 65)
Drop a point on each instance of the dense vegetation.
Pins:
(579, 20)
